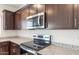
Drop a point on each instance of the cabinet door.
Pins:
(37, 8)
(41, 8)
(8, 19)
(14, 49)
(76, 16)
(18, 20)
(59, 16)
(24, 13)
(32, 10)
(4, 48)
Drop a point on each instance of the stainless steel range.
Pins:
(39, 42)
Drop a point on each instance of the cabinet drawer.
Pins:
(14, 44)
(4, 43)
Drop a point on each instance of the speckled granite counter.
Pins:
(50, 50)
(56, 50)
(16, 40)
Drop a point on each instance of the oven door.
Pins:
(28, 50)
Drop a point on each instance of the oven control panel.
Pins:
(42, 39)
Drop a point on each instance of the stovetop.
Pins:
(33, 46)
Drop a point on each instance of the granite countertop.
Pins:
(50, 50)
(16, 40)
(57, 50)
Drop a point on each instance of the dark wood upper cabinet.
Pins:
(36, 8)
(41, 8)
(59, 16)
(18, 20)
(76, 16)
(8, 19)
(32, 10)
(25, 13)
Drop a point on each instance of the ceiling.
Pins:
(11, 7)
(15, 5)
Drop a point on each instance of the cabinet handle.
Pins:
(75, 22)
(13, 50)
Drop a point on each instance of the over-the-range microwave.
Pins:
(36, 21)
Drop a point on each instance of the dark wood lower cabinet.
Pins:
(9, 48)
(14, 49)
(4, 48)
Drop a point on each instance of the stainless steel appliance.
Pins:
(39, 42)
(42, 39)
(36, 21)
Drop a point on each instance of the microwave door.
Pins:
(41, 20)
(29, 24)
(35, 22)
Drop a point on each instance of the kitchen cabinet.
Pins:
(18, 20)
(41, 8)
(32, 10)
(24, 13)
(76, 16)
(37, 8)
(21, 15)
(14, 49)
(8, 20)
(4, 48)
(60, 16)
(9, 48)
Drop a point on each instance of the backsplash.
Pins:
(8, 33)
(60, 36)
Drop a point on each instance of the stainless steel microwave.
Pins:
(36, 21)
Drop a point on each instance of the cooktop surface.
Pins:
(33, 46)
